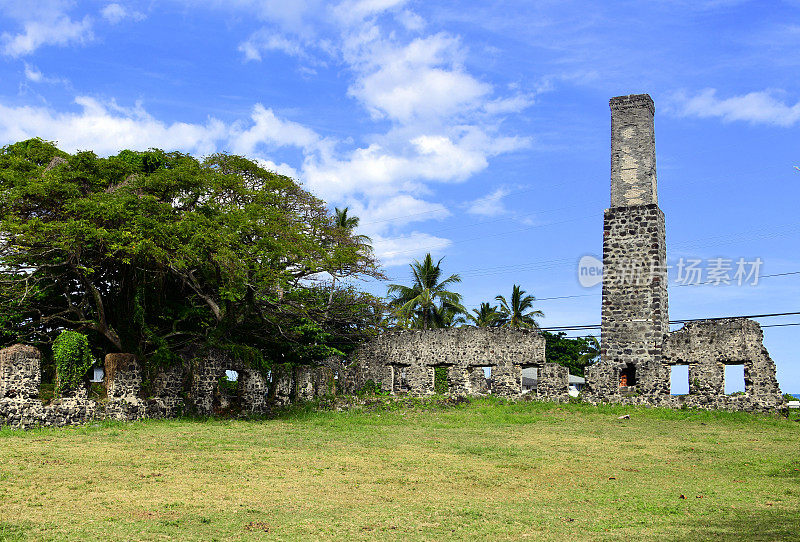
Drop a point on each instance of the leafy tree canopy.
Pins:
(156, 253)
(575, 354)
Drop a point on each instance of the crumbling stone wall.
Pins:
(404, 361)
(209, 369)
(707, 346)
(20, 373)
(313, 381)
(123, 378)
(256, 392)
(552, 381)
(167, 400)
(20, 406)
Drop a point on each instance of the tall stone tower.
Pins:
(635, 319)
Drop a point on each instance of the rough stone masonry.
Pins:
(637, 348)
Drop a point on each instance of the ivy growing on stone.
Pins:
(73, 359)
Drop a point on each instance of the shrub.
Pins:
(72, 359)
(440, 384)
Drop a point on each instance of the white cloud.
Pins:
(401, 249)
(418, 81)
(379, 215)
(490, 204)
(411, 21)
(33, 74)
(513, 104)
(763, 107)
(264, 40)
(116, 13)
(444, 122)
(54, 28)
(356, 10)
(107, 128)
(267, 129)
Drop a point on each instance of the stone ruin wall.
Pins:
(706, 347)
(637, 348)
(404, 362)
(20, 379)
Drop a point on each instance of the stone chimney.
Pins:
(633, 151)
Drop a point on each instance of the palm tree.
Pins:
(592, 351)
(428, 300)
(486, 316)
(450, 316)
(345, 226)
(513, 313)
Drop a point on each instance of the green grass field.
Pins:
(480, 471)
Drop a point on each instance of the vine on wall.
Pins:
(73, 359)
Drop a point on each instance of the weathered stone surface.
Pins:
(707, 346)
(20, 374)
(552, 380)
(635, 312)
(23, 413)
(404, 361)
(167, 400)
(123, 377)
(633, 151)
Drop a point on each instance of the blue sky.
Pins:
(476, 131)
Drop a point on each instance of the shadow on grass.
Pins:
(752, 525)
(12, 531)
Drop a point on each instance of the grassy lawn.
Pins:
(478, 471)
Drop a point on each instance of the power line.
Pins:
(763, 326)
(771, 315)
(682, 321)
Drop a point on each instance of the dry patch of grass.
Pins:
(479, 471)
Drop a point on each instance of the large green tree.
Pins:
(428, 302)
(516, 311)
(155, 253)
(575, 354)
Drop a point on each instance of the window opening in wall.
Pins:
(530, 379)
(440, 383)
(627, 376)
(399, 382)
(98, 373)
(679, 380)
(734, 379)
(481, 379)
(227, 395)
